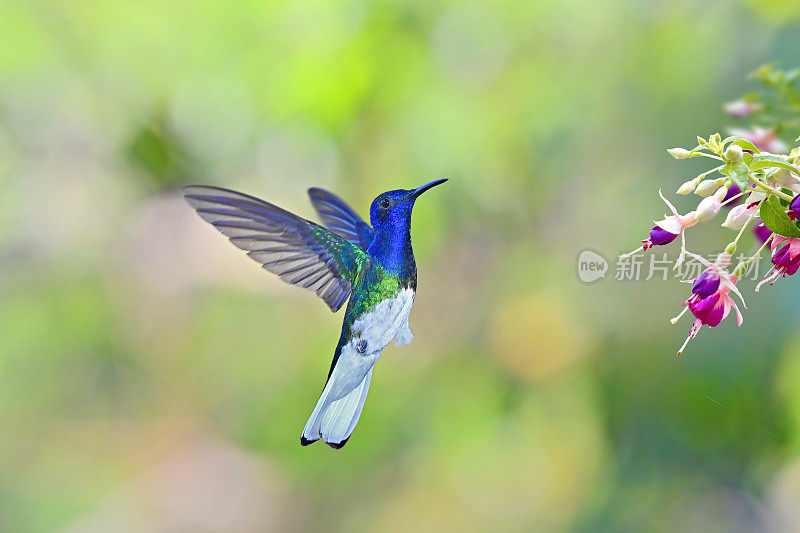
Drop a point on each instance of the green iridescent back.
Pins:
(349, 258)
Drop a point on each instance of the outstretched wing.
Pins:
(299, 251)
(340, 218)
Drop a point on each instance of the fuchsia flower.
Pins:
(666, 230)
(712, 310)
(757, 174)
(785, 259)
(710, 301)
(669, 228)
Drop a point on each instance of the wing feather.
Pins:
(341, 218)
(299, 251)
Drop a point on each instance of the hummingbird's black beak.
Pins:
(419, 190)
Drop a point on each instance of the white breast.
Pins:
(371, 334)
(388, 320)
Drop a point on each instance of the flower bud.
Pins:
(706, 188)
(709, 207)
(738, 216)
(733, 153)
(687, 187)
(679, 153)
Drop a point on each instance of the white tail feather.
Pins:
(334, 421)
(311, 432)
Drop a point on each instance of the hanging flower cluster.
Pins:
(757, 177)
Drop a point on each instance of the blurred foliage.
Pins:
(152, 378)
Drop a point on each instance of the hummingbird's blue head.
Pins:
(392, 209)
(390, 215)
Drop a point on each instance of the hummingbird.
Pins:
(372, 268)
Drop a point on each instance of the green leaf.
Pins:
(776, 219)
(744, 143)
(771, 161)
(738, 172)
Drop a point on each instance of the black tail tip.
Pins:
(338, 445)
(335, 445)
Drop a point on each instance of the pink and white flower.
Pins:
(711, 302)
(739, 216)
(712, 310)
(667, 230)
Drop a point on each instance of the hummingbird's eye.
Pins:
(385, 203)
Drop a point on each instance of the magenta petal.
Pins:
(781, 257)
(791, 266)
(709, 310)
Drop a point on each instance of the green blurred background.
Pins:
(154, 379)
